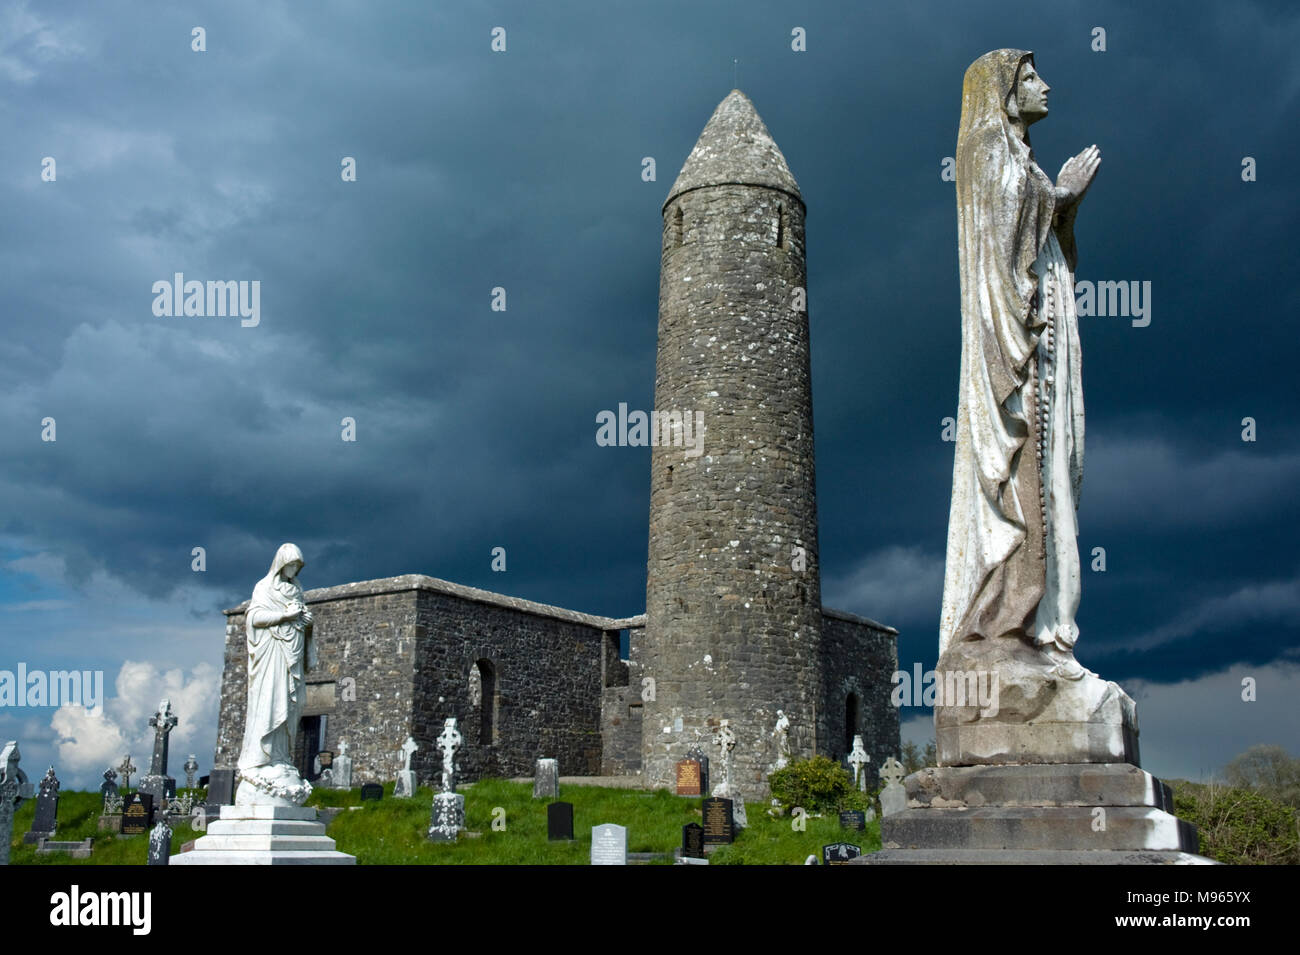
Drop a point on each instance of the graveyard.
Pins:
(393, 831)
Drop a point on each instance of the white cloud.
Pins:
(91, 742)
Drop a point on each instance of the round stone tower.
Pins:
(733, 595)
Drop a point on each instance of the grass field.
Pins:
(392, 831)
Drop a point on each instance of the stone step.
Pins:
(269, 812)
(1066, 827)
(256, 843)
(1064, 784)
(259, 827)
(262, 858)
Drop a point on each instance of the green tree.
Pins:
(1269, 770)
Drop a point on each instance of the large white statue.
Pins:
(1013, 561)
(280, 650)
(1012, 581)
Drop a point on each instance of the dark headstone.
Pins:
(853, 819)
(688, 777)
(204, 783)
(840, 853)
(47, 810)
(160, 844)
(693, 840)
(372, 792)
(719, 823)
(137, 814)
(559, 821)
(221, 787)
(109, 786)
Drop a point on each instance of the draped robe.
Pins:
(276, 652)
(1012, 554)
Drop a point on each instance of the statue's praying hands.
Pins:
(1076, 176)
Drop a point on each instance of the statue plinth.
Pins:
(1080, 813)
(264, 835)
(1026, 711)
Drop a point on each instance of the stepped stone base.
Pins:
(264, 835)
(1072, 814)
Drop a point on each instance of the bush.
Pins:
(1239, 826)
(818, 785)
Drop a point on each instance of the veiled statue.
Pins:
(280, 650)
(1012, 574)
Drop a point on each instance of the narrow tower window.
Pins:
(677, 226)
(782, 227)
(850, 720)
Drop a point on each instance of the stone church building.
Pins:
(734, 626)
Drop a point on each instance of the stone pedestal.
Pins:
(448, 817)
(404, 788)
(1082, 813)
(264, 835)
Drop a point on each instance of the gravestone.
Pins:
(609, 844)
(137, 814)
(158, 784)
(405, 787)
(893, 798)
(341, 768)
(125, 769)
(75, 850)
(448, 817)
(693, 840)
(702, 758)
(372, 792)
(719, 824)
(160, 843)
(546, 779)
(10, 796)
(45, 822)
(853, 819)
(840, 853)
(191, 767)
(858, 759)
(559, 821)
(688, 777)
(109, 786)
(221, 787)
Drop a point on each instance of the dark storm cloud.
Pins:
(522, 170)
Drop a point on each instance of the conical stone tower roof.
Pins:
(735, 148)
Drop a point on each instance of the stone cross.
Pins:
(859, 759)
(109, 787)
(449, 742)
(408, 750)
(163, 722)
(892, 771)
(8, 796)
(726, 739)
(191, 767)
(126, 769)
(893, 798)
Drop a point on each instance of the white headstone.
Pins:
(893, 798)
(341, 775)
(546, 779)
(858, 759)
(609, 844)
